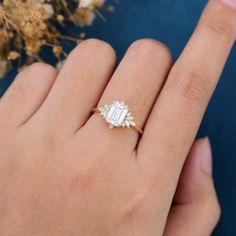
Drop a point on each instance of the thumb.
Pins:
(195, 210)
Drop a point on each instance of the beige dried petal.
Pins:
(33, 47)
(91, 3)
(48, 11)
(60, 18)
(82, 35)
(110, 8)
(85, 3)
(57, 50)
(84, 16)
(13, 55)
(4, 67)
(7, 3)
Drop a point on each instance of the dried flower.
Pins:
(57, 50)
(85, 3)
(4, 67)
(91, 3)
(84, 16)
(26, 26)
(82, 35)
(60, 18)
(13, 55)
(110, 8)
(48, 11)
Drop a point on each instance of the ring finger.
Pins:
(137, 81)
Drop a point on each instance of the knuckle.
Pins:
(98, 45)
(219, 26)
(37, 67)
(216, 211)
(33, 71)
(151, 50)
(212, 210)
(191, 82)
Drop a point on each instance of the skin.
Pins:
(63, 172)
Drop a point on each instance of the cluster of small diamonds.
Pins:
(104, 111)
(129, 121)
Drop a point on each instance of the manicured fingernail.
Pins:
(231, 3)
(206, 156)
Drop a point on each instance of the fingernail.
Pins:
(231, 3)
(206, 156)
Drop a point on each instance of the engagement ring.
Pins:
(118, 115)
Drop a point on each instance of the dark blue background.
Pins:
(172, 22)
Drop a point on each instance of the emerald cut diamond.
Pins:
(117, 115)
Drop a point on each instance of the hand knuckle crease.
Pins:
(219, 26)
(192, 83)
(212, 212)
(151, 51)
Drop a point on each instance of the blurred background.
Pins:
(172, 22)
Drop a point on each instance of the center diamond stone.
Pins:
(117, 114)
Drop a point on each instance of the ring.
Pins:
(117, 114)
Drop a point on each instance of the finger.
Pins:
(26, 94)
(195, 209)
(78, 88)
(137, 82)
(179, 109)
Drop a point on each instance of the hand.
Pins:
(63, 172)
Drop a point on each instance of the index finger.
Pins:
(177, 114)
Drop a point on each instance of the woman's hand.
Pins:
(63, 172)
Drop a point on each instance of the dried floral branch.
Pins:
(26, 26)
